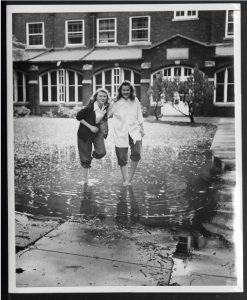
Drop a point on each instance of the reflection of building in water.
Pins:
(127, 207)
(62, 153)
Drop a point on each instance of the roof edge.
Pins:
(183, 37)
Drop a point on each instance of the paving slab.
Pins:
(76, 254)
(29, 228)
(196, 271)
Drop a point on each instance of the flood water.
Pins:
(171, 188)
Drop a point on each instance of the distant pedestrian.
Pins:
(127, 129)
(93, 130)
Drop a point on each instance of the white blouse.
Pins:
(99, 112)
(127, 118)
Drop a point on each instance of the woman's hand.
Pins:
(94, 129)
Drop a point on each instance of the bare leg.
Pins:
(85, 175)
(124, 171)
(133, 167)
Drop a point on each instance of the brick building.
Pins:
(67, 56)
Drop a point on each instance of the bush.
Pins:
(21, 111)
(65, 112)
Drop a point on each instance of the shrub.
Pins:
(65, 112)
(21, 111)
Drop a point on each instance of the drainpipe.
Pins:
(53, 30)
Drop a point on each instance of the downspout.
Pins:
(93, 39)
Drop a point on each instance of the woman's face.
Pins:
(101, 98)
(125, 91)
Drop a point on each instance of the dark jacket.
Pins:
(88, 114)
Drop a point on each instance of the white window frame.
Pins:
(32, 34)
(130, 30)
(117, 76)
(227, 35)
(115, 32)
(171, 77)
(67, 44)
(64, 94)
(224, 103)
(24, 87)
(186, 16)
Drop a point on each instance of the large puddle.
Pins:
(171, 188)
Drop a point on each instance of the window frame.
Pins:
(225, 102)
(23, 85)
(66, 84)
(131, 42)
(98, 32)
(67, 44)
(28, 35)
(185, 17)
(227, 35)
(171, 76)
(117, 76)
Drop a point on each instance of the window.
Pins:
(60, 86)
(112, 78)
(229, 24)
(224, 82)
(139, 29)
(183, 73)
(20, 85)
(74, 32)
(180, 15)
(35, 34)
(106, 31)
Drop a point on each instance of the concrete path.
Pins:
(76, 254)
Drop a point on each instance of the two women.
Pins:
(127, 129)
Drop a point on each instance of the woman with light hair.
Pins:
(93, 130)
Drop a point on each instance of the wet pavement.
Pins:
(176, 190)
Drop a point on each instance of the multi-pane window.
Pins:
(74, 32)
(224, 80)
(180, 72)
(112, 78)
(35, 34)
(140, 29)
(20, 85)
(185, 14)
(61, 86)
(229, 23)
(106, 31)
(173, 72)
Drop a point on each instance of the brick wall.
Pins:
(209, 28)
(197, 54)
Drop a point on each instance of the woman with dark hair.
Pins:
(92, 130)
(127, 129)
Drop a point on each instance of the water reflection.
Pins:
(171, 187)
(89, 206)
(127, 208)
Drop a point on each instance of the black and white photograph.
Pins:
(124, 148)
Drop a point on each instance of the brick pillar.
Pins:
(87, 82)
(34, 89)
(145, 85)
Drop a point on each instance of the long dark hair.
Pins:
(132, 90)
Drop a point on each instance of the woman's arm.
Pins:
(110, 108)
(140, 117)
(94, 129)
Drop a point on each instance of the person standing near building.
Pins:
(93, 129)
(128, 129)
